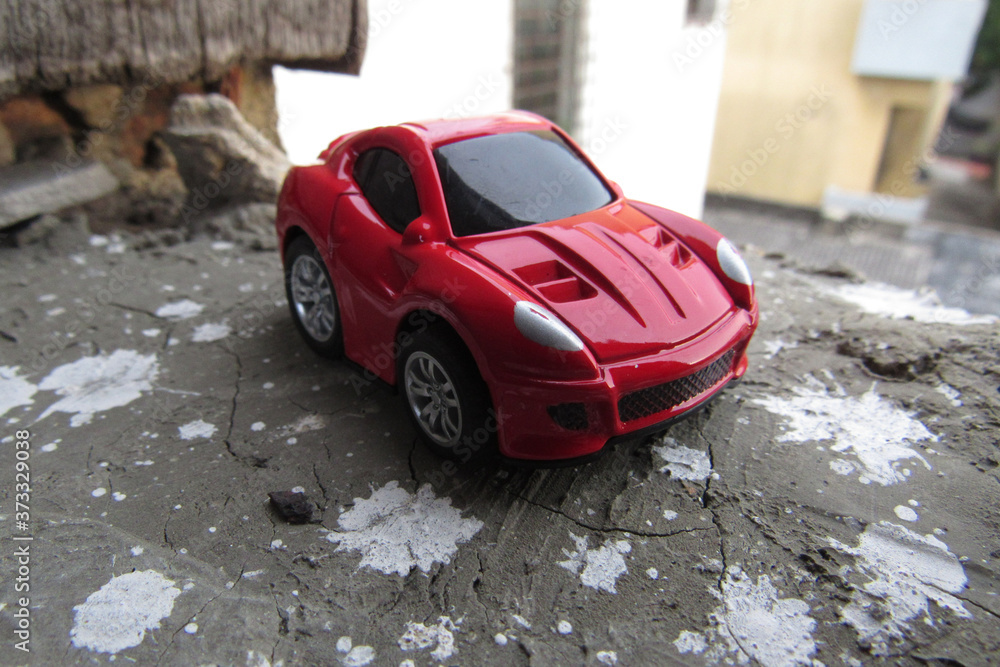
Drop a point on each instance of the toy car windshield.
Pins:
(505, 181)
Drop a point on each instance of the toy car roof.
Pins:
(446, 130)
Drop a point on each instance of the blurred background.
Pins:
(859, 133)
(856, 107)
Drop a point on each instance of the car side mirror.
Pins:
(420, 231)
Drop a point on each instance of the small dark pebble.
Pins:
(294, 507)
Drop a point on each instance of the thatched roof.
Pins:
(51, 45)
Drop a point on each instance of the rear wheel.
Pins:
(446, 398)
(312, 299)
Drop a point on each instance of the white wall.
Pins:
(650, 94)
(426, 59)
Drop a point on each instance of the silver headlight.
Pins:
(541, 326)
(732, 264)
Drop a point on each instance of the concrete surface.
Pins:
(960, 263)
(837, 507)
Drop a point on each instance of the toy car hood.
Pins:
(621, 281)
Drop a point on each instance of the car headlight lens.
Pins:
(732, 264)
(539, 325)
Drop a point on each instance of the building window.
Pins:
(547, 38)
(701, 11)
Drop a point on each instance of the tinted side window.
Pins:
(386, 182)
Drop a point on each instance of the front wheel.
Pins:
(312, 299)
(446, 398)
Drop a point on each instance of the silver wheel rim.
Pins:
(433, 399)
(312, 297)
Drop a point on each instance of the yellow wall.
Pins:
(792, 117)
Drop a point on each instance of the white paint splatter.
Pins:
(355, 656)
(690, 642)
(118, 496)
(652, 573)
(907, 571)
(137, 551)
(51, 447)
(773, 347)
(98, 492)
(419, 636)
(905, 513)
(359, 656)
(669, 515)
(564, 627)
(191, 628)
(607, 657)
(950, 393)
(95, 384)
(257, 426)
(753, 622)
(601, 567)
(210, 332)
(872, 429)
(14, 389)
(197, 429)
(897, 303)
(117, 616)
(684, 463)
(500, 639)
(150, 333)
(180, 310)
(396, 531)
(842, 466)
(252, 574)
(522, 621)
(257, 659)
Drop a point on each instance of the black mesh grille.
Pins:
(571, 416)
(651, 400)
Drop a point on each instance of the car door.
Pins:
(368, 236)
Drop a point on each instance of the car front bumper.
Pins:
(549, 421)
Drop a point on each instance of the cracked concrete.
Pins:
(126, 493)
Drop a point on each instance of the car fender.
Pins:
(478, 304)
(306, 201)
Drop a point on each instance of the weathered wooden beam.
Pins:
(49, 45)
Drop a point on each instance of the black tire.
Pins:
(312, 299)
(446, 398)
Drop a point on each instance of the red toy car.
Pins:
(488, 270)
